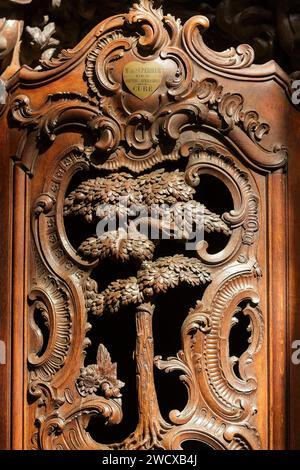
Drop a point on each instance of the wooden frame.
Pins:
(223, 115)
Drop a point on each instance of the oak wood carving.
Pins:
(83, 137)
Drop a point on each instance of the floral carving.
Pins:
(88, 381)
(101, 376)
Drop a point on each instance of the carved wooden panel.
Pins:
(143, 124)
(45, 27)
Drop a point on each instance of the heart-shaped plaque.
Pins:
(142, 78)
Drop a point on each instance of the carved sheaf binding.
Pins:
(67, 386)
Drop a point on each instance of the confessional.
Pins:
(118, 339)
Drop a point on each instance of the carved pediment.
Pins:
(149, 81)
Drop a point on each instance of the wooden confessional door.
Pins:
(146, 243)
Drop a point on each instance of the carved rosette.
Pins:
(180, 113)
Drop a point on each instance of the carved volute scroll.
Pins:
(146, 117)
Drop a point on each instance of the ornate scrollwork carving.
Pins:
(230, 22)
(124, 143)
(182, 118)
(233, 395)
(215, 433)
(232, 58)
(60, 109)
(244, 218)
(52, 302)
(211, 367)
(205, 332)
(66, 430)
(138, 133)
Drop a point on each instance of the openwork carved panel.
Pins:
(145, 271)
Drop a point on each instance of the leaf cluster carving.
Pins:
(95, 198)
